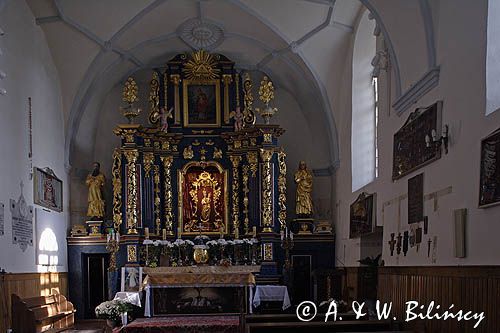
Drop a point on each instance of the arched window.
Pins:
(364, 154)
(493, 58)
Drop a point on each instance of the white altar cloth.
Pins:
(129, 297)
(271, 293)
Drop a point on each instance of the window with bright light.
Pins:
(493, 58)
(48, 249)
(364, 152)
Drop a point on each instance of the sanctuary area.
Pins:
(249, 166)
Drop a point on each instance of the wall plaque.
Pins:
(489, 184)
(416, 199)
(362, 215)
(2, 219)
(410, 151)
(22, 223)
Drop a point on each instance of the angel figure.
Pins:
(164, 114)
(238, 119)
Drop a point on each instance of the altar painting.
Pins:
(201, 103)
(203, 198)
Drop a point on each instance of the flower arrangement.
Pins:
(112, 310)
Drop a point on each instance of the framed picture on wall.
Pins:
(362, 215)
(47, 189)
(201, 103)
(131, 279)
(489, 181)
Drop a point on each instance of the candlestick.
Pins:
(179, 231)
(164, 234)
(236, 233)
(254, 231)
(146, 232)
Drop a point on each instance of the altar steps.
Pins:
(261, 323)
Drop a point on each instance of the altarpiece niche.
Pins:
(203, 198)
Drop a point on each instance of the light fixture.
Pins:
(437, 142)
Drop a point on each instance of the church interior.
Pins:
(249, 166)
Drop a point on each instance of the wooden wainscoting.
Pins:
(474, 288)
(27, 285)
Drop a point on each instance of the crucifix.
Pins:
(398, 245)
(405, 243)
(392, 242)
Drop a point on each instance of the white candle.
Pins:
(291, 235)
(118, 237)
(146, 232)
(282, 236)
(164, 234)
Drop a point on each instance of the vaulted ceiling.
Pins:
(301, 44)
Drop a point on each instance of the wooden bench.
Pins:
(53, 313)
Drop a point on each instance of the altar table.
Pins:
(231, 281)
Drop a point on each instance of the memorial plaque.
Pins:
(22, 223)
(2, 219)
(410, 150)
(489, 190)
(416, 199)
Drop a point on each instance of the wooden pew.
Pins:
(53, 313)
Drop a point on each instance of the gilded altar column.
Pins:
(267, 189)
(132, 193)
(116, 172)
(282, 189)
(235, 160)
(227, 79)
(176, 79)
(167, 164)
(157, 202)
(246, 221)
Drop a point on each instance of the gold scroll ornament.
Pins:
(235, 160)
(282, 189)
(148, 159)
(248, 101)
(167, 164)
(267, 200)
(253, 160)
(132, 193)
(117, 188)
(154, 99)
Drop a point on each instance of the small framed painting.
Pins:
(201, 103)
(131, 279)
(362, 215)
(47, 189)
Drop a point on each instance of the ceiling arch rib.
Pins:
(102, 74)
(122, 31)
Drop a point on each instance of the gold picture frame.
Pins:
(225, 199)
(202, 106)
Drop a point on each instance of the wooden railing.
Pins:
(474, 288)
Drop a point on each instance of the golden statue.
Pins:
(303, 201)
(205, 207)
(95, 181)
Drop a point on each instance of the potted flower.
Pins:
(112, 311)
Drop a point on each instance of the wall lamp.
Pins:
(437, 142)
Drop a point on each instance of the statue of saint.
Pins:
(303, 201)
(205, 207)
(95, 181)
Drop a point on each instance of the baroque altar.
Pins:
(200, 167)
